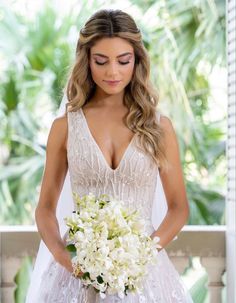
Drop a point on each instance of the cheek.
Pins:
(96, 72)
(129, 71)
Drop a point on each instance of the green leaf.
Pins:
(100, 279)
(198, 291)
(22, 280)
(71, 248)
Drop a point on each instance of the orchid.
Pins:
(109, 245)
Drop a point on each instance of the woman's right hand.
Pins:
(64, 259)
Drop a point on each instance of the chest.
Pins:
(88, 162)
(110, 136)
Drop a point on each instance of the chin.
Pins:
(113, 91)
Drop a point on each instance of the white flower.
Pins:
(110, 245)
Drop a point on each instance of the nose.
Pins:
(112, 70)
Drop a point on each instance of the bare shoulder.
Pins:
(58, 131)
(167, 125)
(170, 142)
(61, 122)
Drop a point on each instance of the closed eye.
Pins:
(122, 63)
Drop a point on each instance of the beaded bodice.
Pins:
(133, 181)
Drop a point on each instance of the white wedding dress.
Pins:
(134, 181)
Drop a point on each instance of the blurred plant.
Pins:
(22, 280)
(198, 291)
(186, 41)
(36, 55)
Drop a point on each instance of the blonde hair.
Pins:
(140, 97)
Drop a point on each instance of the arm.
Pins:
(53, 178)
(174, 188)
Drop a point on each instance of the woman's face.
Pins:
(112, 64)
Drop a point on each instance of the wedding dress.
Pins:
(136, 181)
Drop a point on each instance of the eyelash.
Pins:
(122, 63)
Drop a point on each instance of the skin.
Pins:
(105, 114)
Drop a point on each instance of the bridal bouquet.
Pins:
(108, 245)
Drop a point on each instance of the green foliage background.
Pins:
(186, 42)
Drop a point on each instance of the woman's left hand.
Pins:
(153, 235)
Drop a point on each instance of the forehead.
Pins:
(111, 46)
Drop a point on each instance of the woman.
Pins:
(112, 140)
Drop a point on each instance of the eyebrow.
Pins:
(122, 55)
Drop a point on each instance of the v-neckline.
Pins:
(99, 149)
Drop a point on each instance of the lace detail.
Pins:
(133, 181)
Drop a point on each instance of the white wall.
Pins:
(231, 234)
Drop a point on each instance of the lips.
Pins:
(112, 82)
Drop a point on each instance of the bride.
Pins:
(110, 139)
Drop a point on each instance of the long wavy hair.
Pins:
(139, 97)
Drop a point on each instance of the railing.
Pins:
(206, 242)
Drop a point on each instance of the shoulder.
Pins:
(164, 122)
(167, 126)
(60, 122)
(170, 141)
(60, 125)
(58, 131)
(171, 144)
